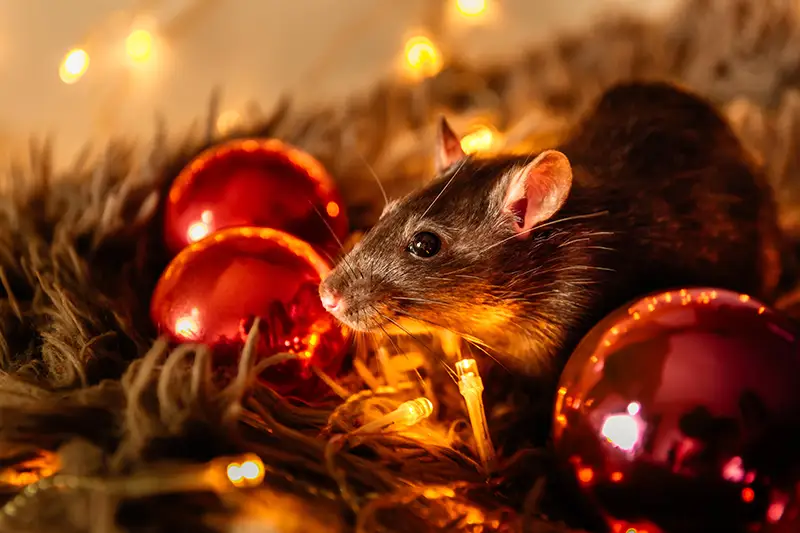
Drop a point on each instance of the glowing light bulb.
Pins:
(73, 66)
(407, 414)
(471, 8)
(139, 45)
(470, 385)
(422, 56)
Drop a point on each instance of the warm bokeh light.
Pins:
(188, 327)
(139, 45)
(481, 139)
(74, 65)
(201, 228)
(332, 209)
(471, 8)
(227, 121)
(748, 495)
(248, 473)
(586, 475)
(422, 56)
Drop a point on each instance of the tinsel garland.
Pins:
(80, 252)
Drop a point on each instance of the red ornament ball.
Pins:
(213, 290)
(680, 414)
(264, 183)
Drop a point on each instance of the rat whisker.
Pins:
(477, 343)
(421, 300)
(336, 238)
(446, 185)
(399, 351)
(374, 175)
(546, 224)
(438, 357)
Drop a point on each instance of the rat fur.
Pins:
(651, 190)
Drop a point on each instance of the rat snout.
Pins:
(331, 299)
(351, 301)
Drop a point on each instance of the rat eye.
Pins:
(424, 244)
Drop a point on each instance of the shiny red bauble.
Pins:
(264, 183)
(681, 413)
(213, 290)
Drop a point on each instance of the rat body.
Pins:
(650, 191)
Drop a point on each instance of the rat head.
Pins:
(450, 254)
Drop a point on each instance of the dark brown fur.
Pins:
(663, 196)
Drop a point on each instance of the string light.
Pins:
(470, 385)
(422, 57)
(407, 414)
(471, 8)
(219, 475)
(73, 66)
(139, 45)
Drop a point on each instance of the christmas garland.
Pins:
(103, 429)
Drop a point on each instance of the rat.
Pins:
(650, 190)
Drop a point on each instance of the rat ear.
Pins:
(536, 192)
(448, 147)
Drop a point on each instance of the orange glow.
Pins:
(616, 477)
(761, 310)
(332, 209)
(249, 473)
(748, 495)
(586, 475)
(744, 298)
(481, 139)
(188, 326)
(44, 465)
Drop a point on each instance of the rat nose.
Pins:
(331, 300)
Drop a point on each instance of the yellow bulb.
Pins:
(74, 65)
(422, 56)
(139, 45)
(471, 8)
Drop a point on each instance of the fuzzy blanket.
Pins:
(86, 391)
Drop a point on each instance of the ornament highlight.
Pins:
(252, 182)
(680, 414)
(214, 289)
